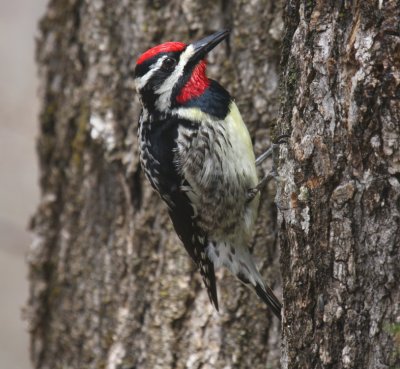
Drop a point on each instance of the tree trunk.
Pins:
(340, 218)
(111, 285)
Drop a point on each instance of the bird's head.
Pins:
(170, 74)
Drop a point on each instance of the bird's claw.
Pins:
(282, 139)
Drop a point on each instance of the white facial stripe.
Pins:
(165, 90)
(141, 81)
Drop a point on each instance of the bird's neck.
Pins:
(196, 85)
(215, 101)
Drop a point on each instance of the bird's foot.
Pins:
(279, 141)
(252, 192)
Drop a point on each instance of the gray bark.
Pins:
(340, 219)
(111, 285)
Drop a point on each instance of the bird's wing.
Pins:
(184, 221)
(173, 187)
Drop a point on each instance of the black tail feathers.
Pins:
(270, 299)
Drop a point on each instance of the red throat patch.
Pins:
(196, 85)
(167, 47)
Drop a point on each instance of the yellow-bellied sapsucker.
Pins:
(197, 153)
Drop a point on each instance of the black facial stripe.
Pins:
(147, 92)
(148, 99)
(187, 73)
(142, 68)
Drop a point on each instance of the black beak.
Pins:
(206, 44)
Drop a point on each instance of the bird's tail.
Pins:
(251, 277)
(245, 270)
(266, 294)
(263, 292)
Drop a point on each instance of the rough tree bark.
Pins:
(111, 285)
(340, 219)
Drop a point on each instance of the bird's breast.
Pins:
(219, 164)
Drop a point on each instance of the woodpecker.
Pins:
(197, 154)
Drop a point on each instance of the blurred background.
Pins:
(18, 169)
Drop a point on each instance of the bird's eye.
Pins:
(169, 63)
